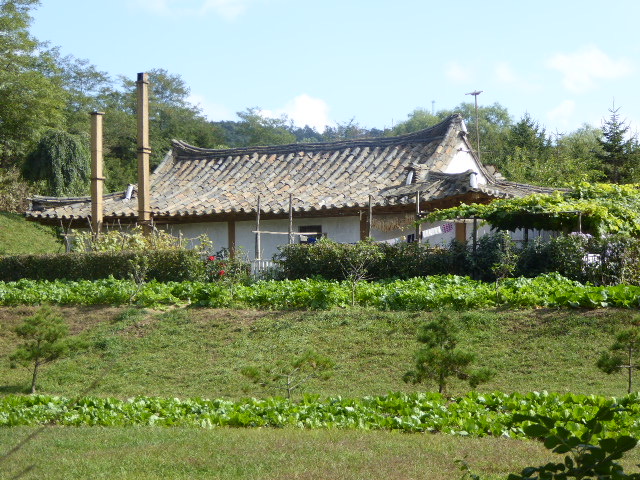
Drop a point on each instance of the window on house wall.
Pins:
(315, 233)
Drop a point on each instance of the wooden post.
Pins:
(630, 364)
(370, 217)
(144, 152)
(580, 221)
(475, 234)
(258, 246)
(231, 237)
(97, 179)
(290, 219)
(461, 232)
(418, 225)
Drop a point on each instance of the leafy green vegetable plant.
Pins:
(585, 458)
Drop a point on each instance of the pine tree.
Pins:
(619, 155)
(44, 337)
(440, 358)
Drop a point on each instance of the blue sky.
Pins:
(374, 61)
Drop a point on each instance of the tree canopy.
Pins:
(61, 161)
(31, 95)
(42, 91)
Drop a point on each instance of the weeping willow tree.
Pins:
(61, 163)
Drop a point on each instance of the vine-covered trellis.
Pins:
(599, 209)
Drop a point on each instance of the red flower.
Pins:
(221, 272)
(212, 258)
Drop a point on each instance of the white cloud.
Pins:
(581, 69)
(304, 110)
(458, 73)
(506, 75)
(227, 9)
(213, 111)
(561, 114)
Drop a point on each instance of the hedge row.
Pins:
(160, 265)
(608, 261)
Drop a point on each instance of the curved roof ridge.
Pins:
(429, 134)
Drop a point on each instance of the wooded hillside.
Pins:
(45, 99)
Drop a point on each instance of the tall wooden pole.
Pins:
(144, 152)
(97, 179)
(475, 234)
(418, 226)
(290, 219)
(258, 255)
(370, 217)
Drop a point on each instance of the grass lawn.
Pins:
(173, 453)
(18, 236)
(199, 352)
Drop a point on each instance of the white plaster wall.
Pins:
(339, 229)
(518, 235)
(216, 231)
(463, 161)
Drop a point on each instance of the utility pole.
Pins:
(475, 96)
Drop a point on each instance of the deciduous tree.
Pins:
(257, 129)
(31, 95)
(61, 161)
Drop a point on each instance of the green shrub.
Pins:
(616, 260)
(222, 266)
(535, 258)
(568, 254)
(619, 261)
(163, 266)
(331, 260)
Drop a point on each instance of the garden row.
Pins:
(447, 291)
(473, 414)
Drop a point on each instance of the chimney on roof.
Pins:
(473, 179)
(97, 179)
(144, 152)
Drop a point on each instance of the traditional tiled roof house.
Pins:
(331, 186)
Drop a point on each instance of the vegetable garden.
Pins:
(429, 293)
